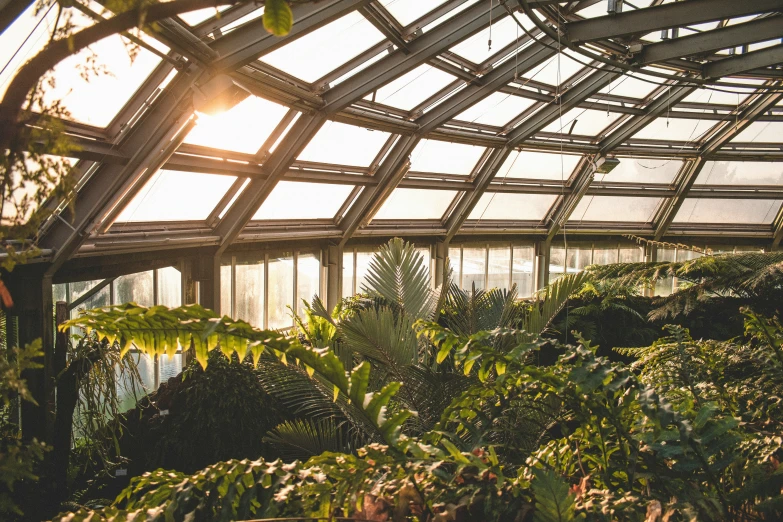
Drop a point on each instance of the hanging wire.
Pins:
(489, 43)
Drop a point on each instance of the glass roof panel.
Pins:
(519, 207)
(230, 130)
(496, 109)
(761, 132)
(615, 208)
(677, 129)
(196, 197)
(501, 33)
(630, 86)
(445, 157)
(295, 200)
(407, 203)
(313, 55)
(638, 170)
(407, 11)
(720, 97)
(727, 211)
(200, 15)
(741, 173)
(113, 76)
(547, 72)
(538, 165)
(344, 144)
(584, 122)
(409, 90)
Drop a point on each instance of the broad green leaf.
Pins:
(278, 18)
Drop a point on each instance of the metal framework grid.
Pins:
(148, 133)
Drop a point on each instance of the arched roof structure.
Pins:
(424, 118)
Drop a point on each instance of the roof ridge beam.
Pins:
(677, 14)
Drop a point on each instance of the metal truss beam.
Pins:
(744, 62)
(380, 18)
(679, 14)
(710, 41)
(422, 49)
(10, 11)
(756, 107)
(275, 167)
(246, 43)
(468, 200)
(590, 85)
(565, 205)
(388, 176)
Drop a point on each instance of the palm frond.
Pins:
(398, 275)
(381, 336)
(551, 300)
(301, 439)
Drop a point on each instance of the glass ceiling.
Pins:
(444, 81)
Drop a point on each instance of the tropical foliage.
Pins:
(753, 278)
(448, 413)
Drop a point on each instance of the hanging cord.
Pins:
(489, 43)
(668, 104)
(562, 161)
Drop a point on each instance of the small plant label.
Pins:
(163, 413)
(121, 473)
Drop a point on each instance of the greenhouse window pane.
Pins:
(299, 200)
(445, 157)
(604, 255)
(129, 392)
(495, 109)
(631, 87)
(170, 287)
(554, 71)
(741, 173)
(412, 88)
(250, 297)
(499, 267)
(193, 18)
(344, 145)
(170, 367)
(425, 257)
(501, 33)
(94, 101)
(761, 132)
(134, 288)
(362, 269)
(636, 170)
(231, 130)
(615, 208)
(281, 291)
(584, 122)
(407, 11)
(455, 261)
(664, 286)
(226, 287)
(99, 300)
(718, 97)
(79, 288)
(313, 55)
(631, 254)
(196, 195)
(474, 267)
(519, 207)
(538, 165)
(405, 203)
(557, 262)
(676, 129)
(578, 258)
(523, 270)
(308, 279)
(759, 211)
(348, 272)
